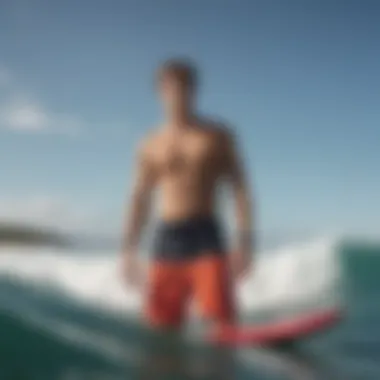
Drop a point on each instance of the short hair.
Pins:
(181, 69)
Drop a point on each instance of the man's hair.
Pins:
(180, 69)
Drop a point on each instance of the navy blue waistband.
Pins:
(191, 223)
(187, 238)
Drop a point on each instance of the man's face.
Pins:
(174, 93)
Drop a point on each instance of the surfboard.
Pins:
(273, 333)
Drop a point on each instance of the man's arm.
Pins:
(242, 195)
(140, 201)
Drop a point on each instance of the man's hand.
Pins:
(241, 263)
(132, 269)
(241, 259)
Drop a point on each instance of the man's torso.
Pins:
(188, 165)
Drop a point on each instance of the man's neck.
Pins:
(180, 120)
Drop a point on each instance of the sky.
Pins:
(298, 80)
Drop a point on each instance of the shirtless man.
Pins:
(187, 159)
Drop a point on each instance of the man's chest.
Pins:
(187, 152)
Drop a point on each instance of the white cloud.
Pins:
(24, 116)
(22, 113)
(27, 115)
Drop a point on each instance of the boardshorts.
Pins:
(189, 262)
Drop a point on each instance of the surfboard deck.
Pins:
(278, 333)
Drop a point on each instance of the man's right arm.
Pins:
(243, 203)
(140, 201)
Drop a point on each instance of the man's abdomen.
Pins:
(182, 201)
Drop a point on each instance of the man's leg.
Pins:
(168, 292)
(213, 289)
(214, 296)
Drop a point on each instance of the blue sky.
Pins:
(298, 80)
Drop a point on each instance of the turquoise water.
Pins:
(47, 334)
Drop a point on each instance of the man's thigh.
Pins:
(167, 295)
(213, 289)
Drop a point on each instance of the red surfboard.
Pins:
(277, 332)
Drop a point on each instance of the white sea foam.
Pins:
(292, 276)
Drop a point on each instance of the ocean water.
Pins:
(67, 315)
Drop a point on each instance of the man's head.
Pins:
(177, 82)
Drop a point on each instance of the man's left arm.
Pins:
(243, 198)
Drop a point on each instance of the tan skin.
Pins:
(186, 160)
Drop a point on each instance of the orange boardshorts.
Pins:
(189, 264)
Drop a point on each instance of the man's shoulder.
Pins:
(148, 141)
(220, 129)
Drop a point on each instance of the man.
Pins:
(187, 159)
